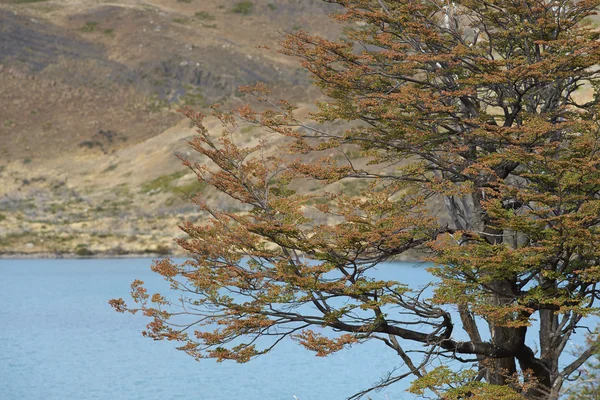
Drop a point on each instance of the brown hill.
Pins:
(88, 91)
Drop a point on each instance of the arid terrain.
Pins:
(88, 127)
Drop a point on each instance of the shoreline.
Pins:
(73, 256)
(150, 256)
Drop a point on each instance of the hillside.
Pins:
(88, 125)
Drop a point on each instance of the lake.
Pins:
(61, 340)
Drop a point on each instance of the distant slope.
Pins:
(72, 69)
(87, 122)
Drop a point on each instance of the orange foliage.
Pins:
(472, 105)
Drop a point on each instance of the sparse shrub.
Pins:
(243, 8)
(109, 135)
(271, 6)
(101, 138)
(110, 168)
(156, 104)
(119, 251)
(193, 97)
(82, 250)
(192, 188)
(90, 144)
(56, 207)
(108, 31)
(160, 249)
(162, 183)
(204, 16)
(100, 234)
(89, 27)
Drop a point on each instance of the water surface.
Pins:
(61, 340)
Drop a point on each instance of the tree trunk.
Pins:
(513, 338)
(500, 371)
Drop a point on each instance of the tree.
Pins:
(586, 386)
(489, 107)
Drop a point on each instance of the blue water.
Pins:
(59, 339)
